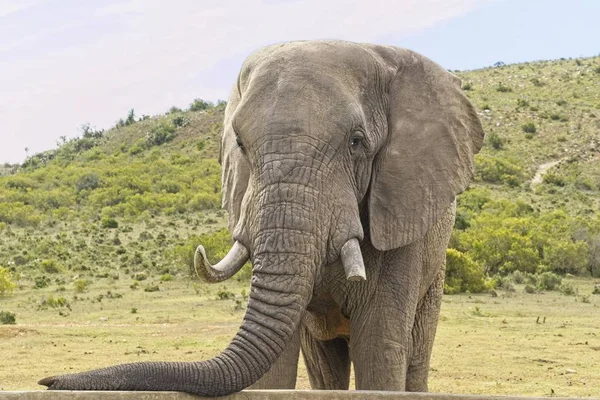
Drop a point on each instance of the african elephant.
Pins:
(332, 153)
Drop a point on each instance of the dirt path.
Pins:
(542, 169)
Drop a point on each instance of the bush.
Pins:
(548, 281)
(109, 223)
(88, 182)
(224, 294)
(529, 127)
(518, 277)
(7, 318)
(51, 266)
(462, 274)
(160, 134)
(57, 302)
(503, 89)
(567, 289)
(553, 179)
(41, 282)
(181, 120)
(467, 86)
(566, 256)
(200, 105)
(529, 289)
(495, 140)
(166, 277)
(498, 170)
(521, 103)
(151, 288)
(536, 82)
(6, 284)
(81, 285)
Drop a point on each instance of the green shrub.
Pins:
(553, 179)
(462, 274)
(51, 266)
(7, 286)
(565, 256)
(548, 281)
(109, 223)
(88, 182)
(166, 278)
(41, 282)
(495, 140)
(536, 82)
(467, 86)
(7, 318)
(138, 147)
(529, 127)
(529, 289)
(522, 103)
(567, 289)
(181, 121)
(81, 285)
(596, 289)
(502, 88)
(224, 294)
(151, 288)
(497, 170)
(57, 302)
(160, 134)
(140, 276)
(200, 105)
(518, 277)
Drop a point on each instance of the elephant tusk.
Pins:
(352, 260)
(224, 269)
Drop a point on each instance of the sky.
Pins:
(64, 63)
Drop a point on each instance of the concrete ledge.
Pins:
(261, 395)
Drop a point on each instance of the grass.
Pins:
(484, 345)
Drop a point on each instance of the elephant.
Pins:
(341, 163)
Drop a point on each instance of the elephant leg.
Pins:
(381, 326)
(282, 374)
(423, 335)
(327, 362)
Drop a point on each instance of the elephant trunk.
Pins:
(285, 259)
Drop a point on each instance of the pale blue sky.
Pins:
(67, 62)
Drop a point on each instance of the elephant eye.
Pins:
(355, 142)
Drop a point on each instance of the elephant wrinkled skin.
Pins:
(327, 143)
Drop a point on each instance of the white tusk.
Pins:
(224, 269)
(352, 260)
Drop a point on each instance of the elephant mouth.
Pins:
(238, 255)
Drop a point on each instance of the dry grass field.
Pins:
(514, 343)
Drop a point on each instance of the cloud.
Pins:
(93, 61)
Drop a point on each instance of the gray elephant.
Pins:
(332, 153)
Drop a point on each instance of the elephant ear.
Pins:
(433, 134)
(235, 170)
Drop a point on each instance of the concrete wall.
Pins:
(256, 395)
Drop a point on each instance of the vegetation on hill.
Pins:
(138, 198)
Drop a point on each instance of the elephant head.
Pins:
(325, 144)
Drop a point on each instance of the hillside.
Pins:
(136, 197)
